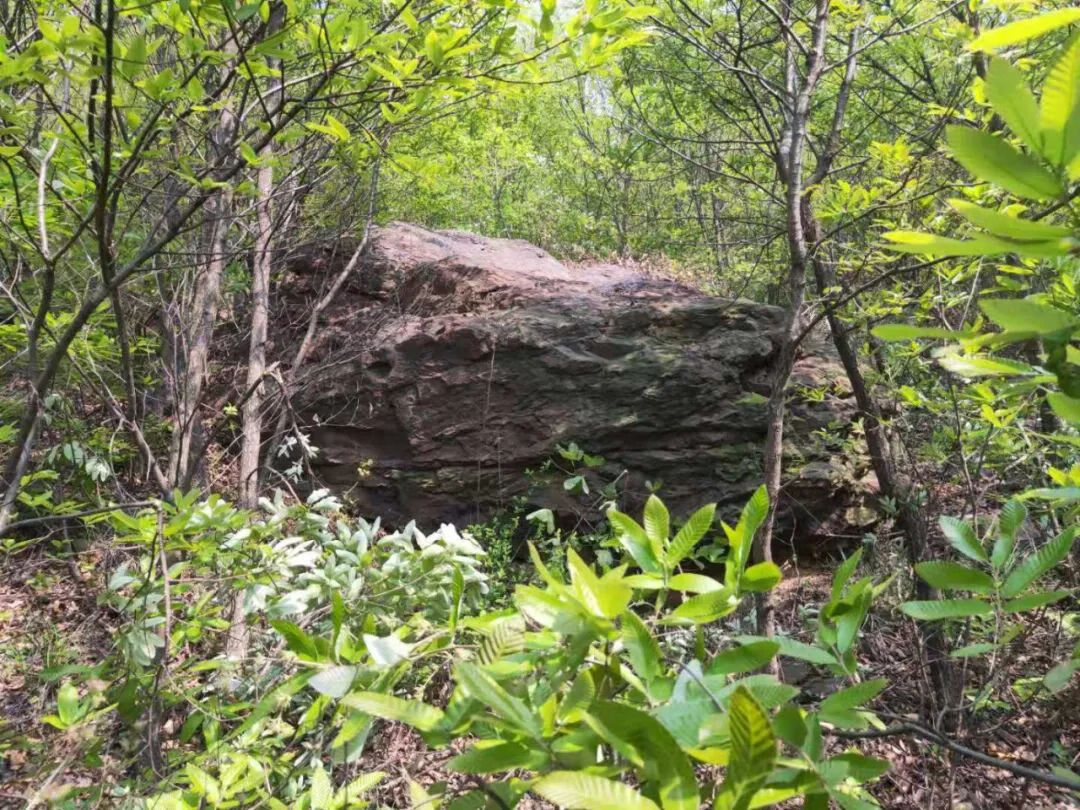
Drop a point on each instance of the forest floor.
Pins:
(50, 620)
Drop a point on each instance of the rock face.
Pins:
(452, 364)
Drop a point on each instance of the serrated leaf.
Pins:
(576, 790)
(643, 650)
(1023, 30)
(744, 658)
(1034, 600)
(1008, 93)
(955, 577)
(1058, 122)
(482, 687)
(1037, 564)
(753, 746)
(854, 696)
(994, 160)
(502, 756)
(667, 766)
(1008, 226)
(1012, 517)
(413, 713)
(962, 537)
(934, 610)
(633, 538)
(321, 793)
(657, 525)
(1025, 315)
(695, 528)
(506, 637)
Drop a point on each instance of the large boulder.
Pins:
(451, 365)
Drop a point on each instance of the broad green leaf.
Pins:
(993, 160)
(754, 512)
(1037, 564)
(321, 794)
(970, 365)
(413, 713)
(576, 790)
(202, 783)
(852, 765)
(666, 764)
(633, 538)
(333, 681)
(1058, 122)
(744, 658)
(901, 331)
(703, 608)
(1012, 517)
(1007, 225)
(1068, 408)
(1057, 679)
(346, 795)
(843, 574)
(1025, 315)
(933, 610)
(961, 536)
(1034, 600)
(485, 757)
(690, 534)
(578, 698)
(296, 639)
(657, 525)
(955, 577)
(505, 637)
(792, 648)
(482, 687)
(605, 596)
(387, 651)
(1008, 93)
(694, 583)
(929, 244)
(644, 651)
(854, 696)
(762, 576)
(753, 746)
(1023, 30)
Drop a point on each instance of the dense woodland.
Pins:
(189, 619)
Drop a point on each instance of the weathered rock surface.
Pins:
(452, 364)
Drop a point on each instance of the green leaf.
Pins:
(694, 583)
(743, 658)
(1034, 600)
(1058, 121)
(296, 639)
(1023, 30)
(67, 704)
(387, 651)
(482, 687)
(762, 576)
(334, 681)
(1057, 679)
(993, 160)
(1025, 315)
(505, 637)
(1012, 517)
(644, 651)
(1007, 225)
(961, 536)
(202, 783)
(502, 756)
(1068, 408)
(666, 764)
(1008, 93)
(583, 791)
(843, 574)
(322, 791)
(955, 577)
(902, 331)
(690, 534)
(633, 538)
(134, 58)
(703, 608)
(413, 713)
(792, 648)
(753, 746)
(657, 525)
(970, 365)
(852, 765)
(933, 610)
(929, 244)
(1037, 564)
(853, 696)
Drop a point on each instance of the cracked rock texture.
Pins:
(451, 364)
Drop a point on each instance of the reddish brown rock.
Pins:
(452, 364)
